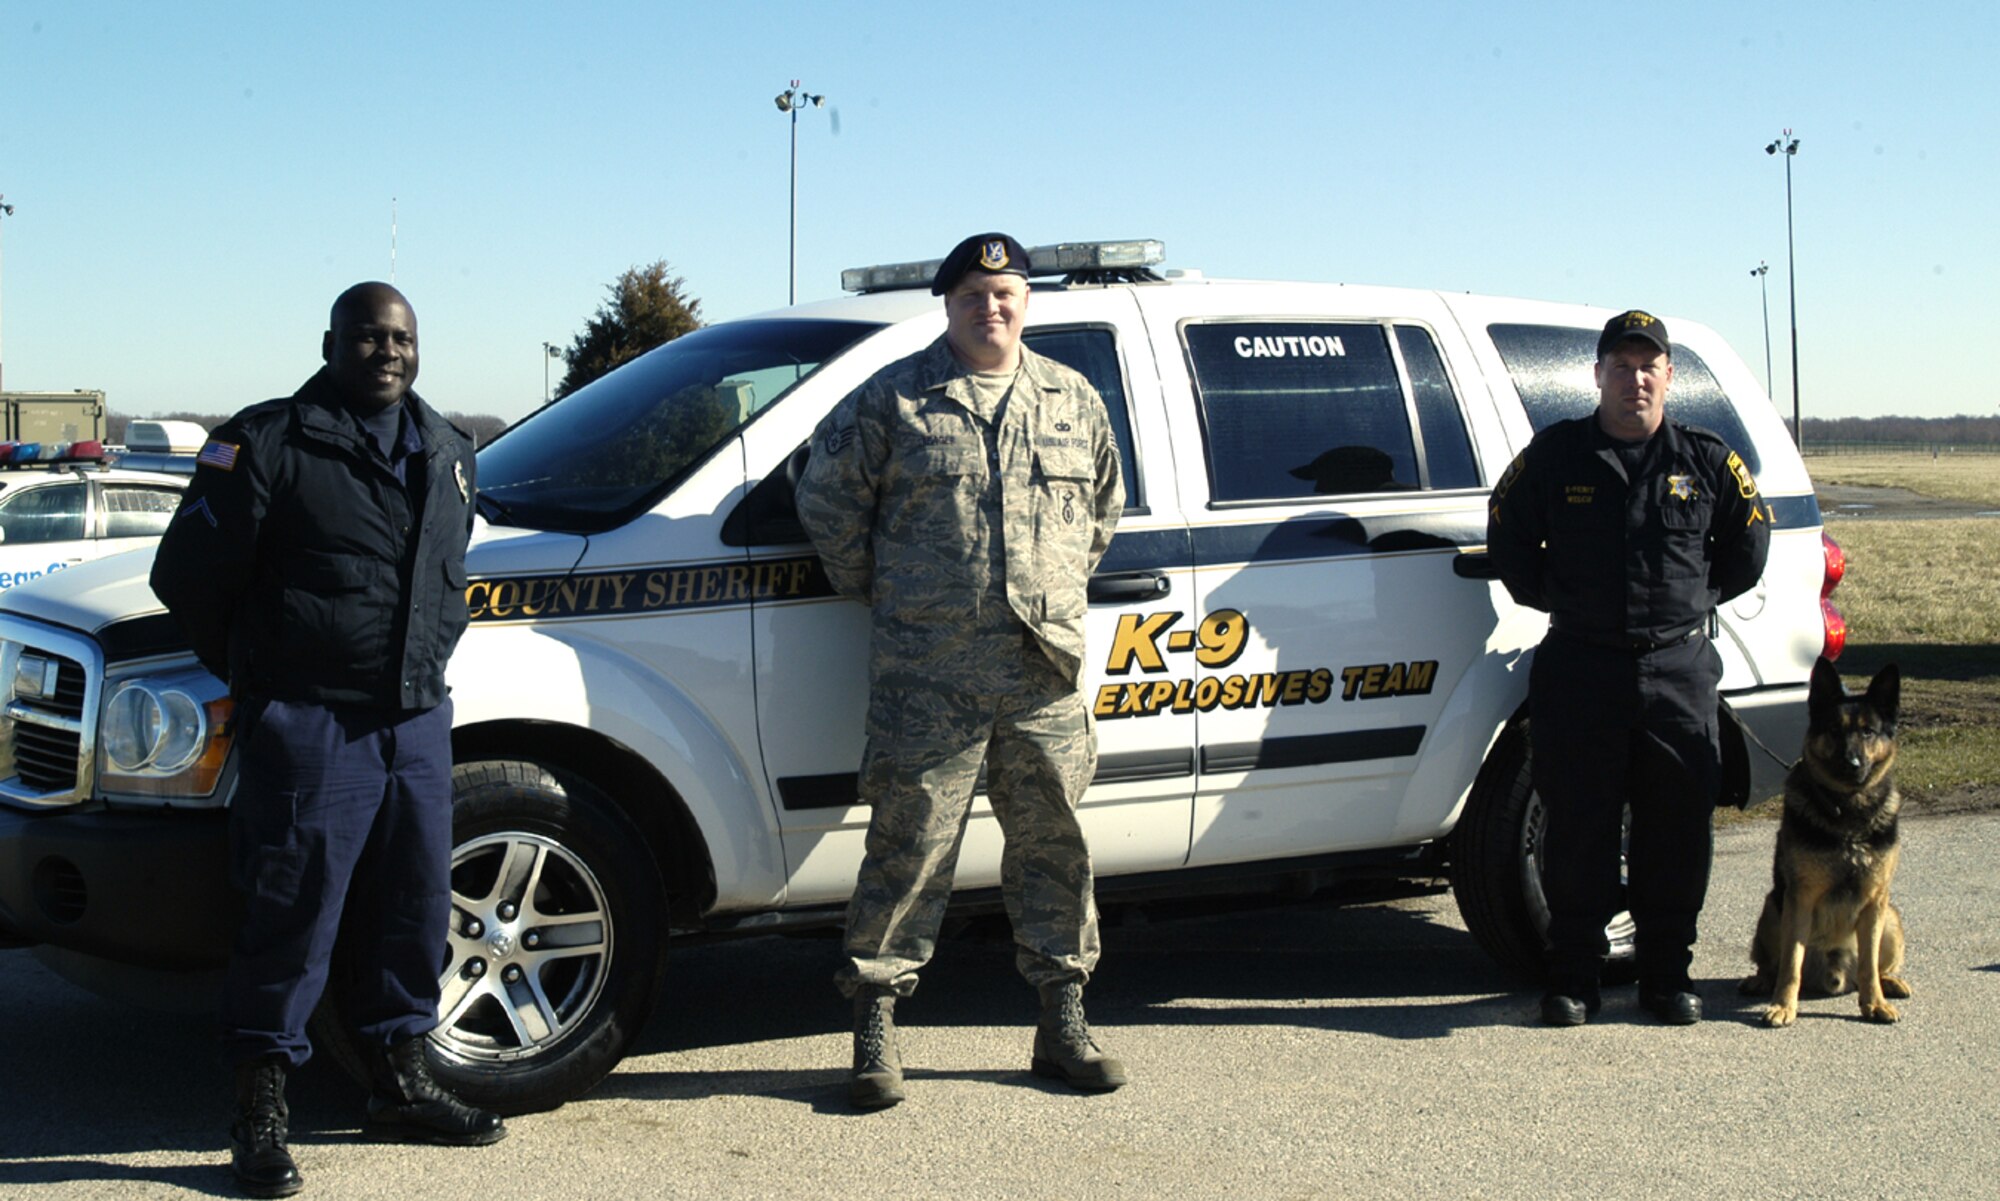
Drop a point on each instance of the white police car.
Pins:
(60, 506)
(1299, 663)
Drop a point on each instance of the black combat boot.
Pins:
(877, 1082)
(408, 1103)
(1064, 1048)
(257, 1152)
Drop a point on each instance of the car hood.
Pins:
(92, 595)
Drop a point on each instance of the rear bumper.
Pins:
(142, 888)
(1774, 725)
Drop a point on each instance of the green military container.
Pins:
(50, 417)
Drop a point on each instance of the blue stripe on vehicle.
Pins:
(1794, 512)
(1336, 535)
(645, 589)
(842, 789)
(1143, 550)
(738, 581)
(1311, 750)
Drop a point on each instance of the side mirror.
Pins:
(768, 515)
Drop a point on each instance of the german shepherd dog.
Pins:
(1827, 922)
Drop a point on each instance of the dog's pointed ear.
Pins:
(1885, 692)
(1826, 693)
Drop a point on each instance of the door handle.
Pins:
(1128, 587)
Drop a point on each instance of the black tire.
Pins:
(1496, 866)
(521, 1028)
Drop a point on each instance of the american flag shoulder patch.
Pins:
(220, 455)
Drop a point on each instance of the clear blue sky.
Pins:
(195, 182)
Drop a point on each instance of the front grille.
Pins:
(68, 700)
(50, 680)
(45, 730)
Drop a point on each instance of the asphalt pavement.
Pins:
(1302, 1050)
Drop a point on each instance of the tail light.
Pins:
(1835, 625)
(1836, 565)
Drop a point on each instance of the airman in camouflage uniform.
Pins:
(965, 494)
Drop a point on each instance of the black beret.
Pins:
(995, 254)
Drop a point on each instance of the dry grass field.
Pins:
(1974, 479)
(1924, 594)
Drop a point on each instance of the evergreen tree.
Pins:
(647, 308)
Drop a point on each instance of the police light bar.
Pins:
(53, 454)
(1061, 258)
(889, 277)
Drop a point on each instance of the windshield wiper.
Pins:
(493, 508)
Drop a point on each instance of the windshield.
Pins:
(605, 453)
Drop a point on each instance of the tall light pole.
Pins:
(549, 351)
(1762, 270)
(1788, 146)
(6, 210)
(791, 100)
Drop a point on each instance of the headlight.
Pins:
(165, 735)
(151, 728)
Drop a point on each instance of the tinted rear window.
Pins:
(1553, 368)
(1447, 450)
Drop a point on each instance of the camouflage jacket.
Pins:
(899, 498)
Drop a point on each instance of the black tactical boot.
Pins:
(408, 1103)
(877, 1082)
(257, 1152)
(1064, 1048)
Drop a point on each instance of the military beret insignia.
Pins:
(993, 254)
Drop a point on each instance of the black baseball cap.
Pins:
(995, 254)
(1633, 323)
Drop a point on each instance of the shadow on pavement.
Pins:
(212, 1179)
(1304, 963)
(823, 1090)
(1294, 963)
(85, 1077)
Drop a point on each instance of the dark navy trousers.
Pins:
(339, 814)
(1616, 727)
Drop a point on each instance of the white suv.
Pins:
(1300, 664)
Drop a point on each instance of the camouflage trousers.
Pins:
(925, 746)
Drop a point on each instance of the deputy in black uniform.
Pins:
(1629, 530)
(317, 564)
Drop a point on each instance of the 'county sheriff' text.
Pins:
(649, 591)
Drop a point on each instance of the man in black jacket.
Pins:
(317, 564)
(1629, 530)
